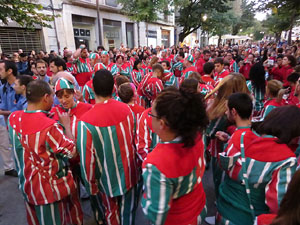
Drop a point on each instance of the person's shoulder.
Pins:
(85, 105)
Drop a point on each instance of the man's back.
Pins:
(41, 151)
(106, 145)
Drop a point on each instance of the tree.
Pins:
(275, 24)
(247, 19)
(289, 9)
(190, 14)
(219, 24)
(24, 12)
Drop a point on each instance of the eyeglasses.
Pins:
(154, 116)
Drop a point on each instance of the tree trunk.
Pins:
(291, 27)
(138, 27)
(181, 36)
(277, 36)
(147, 33)
(219, 40)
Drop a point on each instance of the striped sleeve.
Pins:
(87, 158)
(158, 195)
(114, 70)
(59, 143)
(125, 72)
(134, 77)
(235, 67)
(267, 110)
(85, 93)
(143, 138)
(278, 184)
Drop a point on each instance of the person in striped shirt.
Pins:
(151, 85)
(258, 86)
(111, 66)
(272, 90)
(189, 68)
(220, 72)
(216, 109)
(64, 91)
(233, 68)
(82, 68)
(208, 70)
(41, 151)
(173, 185)
(137, 73)
(256, 183)
(169, 78)
(123, 68)
(105, 141)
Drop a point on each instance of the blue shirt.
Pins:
(8, 97)
(22, 103)
(22, 67)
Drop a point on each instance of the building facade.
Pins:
(77, 23)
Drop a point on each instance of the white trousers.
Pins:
(5, 150)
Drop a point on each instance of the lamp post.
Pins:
(99, 24)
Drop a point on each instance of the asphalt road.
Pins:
(12, 210)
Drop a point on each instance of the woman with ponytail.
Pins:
(173, 171)
(217, 98)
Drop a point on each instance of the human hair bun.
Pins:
(184, 111)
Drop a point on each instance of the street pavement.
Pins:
(12, 209)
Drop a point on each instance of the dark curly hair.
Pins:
(184, 112)
(283, 123)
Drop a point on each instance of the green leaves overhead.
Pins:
(24, 12)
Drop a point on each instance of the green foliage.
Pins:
(192, 11)
(145, 10)
(275, 23)
(247, 19)
(286, 10)
(24, 12)
(219, 23)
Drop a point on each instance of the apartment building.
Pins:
(77, 23)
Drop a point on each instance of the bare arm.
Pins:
(78, 51)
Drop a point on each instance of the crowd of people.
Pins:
(130, 126)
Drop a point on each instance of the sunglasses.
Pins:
(153, 116)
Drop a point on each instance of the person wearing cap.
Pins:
(169, 78)
(123, 68)
(94, 59)
(110, 66)
(177, 67)
(64, 91)
(82, 68)
(23, 64)
(189, 68)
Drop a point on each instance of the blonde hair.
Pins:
(235, 82)
(153, 61)
(273, 87)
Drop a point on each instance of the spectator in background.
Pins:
(23, 64)
(246, 65)
(20, 88)
(200, 63)
(9, 98)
